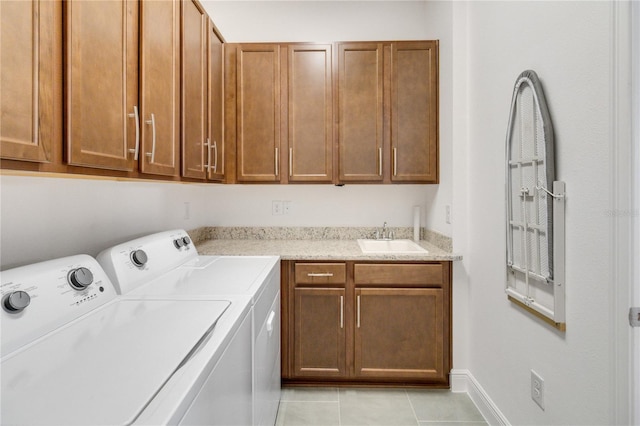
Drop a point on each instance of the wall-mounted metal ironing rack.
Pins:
(535, 214)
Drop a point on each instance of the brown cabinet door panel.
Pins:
(310, 112)
(101, 83)
(320, 273)
(414, 111)
(319, 333)
(194, 90)
(403, 275)
(160, 87)
(258, 113)
(360, 111)
(31, 80)
(217, 147)
(399, 334)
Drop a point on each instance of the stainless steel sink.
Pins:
(390, 246)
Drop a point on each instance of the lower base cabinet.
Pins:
(366, 323)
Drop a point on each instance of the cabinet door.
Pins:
(414, 111)
(194, 90)
(319, 332)
(102, 119)
(215, 118)
(31, 79)
(258, 113)
(160, 87)
(399, 334)
(360, 111)
(310, 129)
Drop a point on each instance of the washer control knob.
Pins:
(186, 241)
(16, 301)
(178, 242)
(80, 278)
(139, 257)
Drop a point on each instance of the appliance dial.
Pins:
(178, 243)
(80, 278)
(186, 241)
(16, 301)
(139, 257)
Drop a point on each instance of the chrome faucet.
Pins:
(384, 234)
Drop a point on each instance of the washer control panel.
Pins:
(39, 298)
(136, 262)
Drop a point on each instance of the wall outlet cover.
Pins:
(537, 389)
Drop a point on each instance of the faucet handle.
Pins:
(391, 235)
(377, 234)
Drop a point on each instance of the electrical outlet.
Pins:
(447, 213)
(537, 389)
(286, 207)
(187, 210)
(276, 207)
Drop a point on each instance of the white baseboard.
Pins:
(463, 381)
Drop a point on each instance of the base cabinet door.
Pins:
(398, 334)
(319, 332)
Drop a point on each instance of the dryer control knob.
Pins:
(186, 240)
(16, 301)
(139, 257)
(178, 243)
(80, 278)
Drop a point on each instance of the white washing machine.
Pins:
(167, 265)
(75, 353)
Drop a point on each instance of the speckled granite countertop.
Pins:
(294, 245)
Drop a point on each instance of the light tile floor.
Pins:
(362, 406)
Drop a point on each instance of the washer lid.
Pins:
(104, 368)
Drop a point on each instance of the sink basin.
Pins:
(390, 246)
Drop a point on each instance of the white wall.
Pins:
(568, 45)
(43, 218)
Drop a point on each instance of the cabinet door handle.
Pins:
(135, 115)
(358, 312)
(379, 161)
(277, 162)
(290, 162)
(320, 274)
(395, 161)
(215, 156)
(207, 167)
(152, 154)
(341, 311)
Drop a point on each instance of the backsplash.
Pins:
(312, 233)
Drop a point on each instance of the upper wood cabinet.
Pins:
(388, 112)
(414, 111)
(360, 111)
(195, 130)
(215, 105)
(257, 71)
(102, 116)
(310, 113)
(160, 87)
(31, 80)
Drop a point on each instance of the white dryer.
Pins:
(75, 353)
(167, 265)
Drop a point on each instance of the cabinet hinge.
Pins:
(634, 317)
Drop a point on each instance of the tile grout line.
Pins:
(412, 408)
